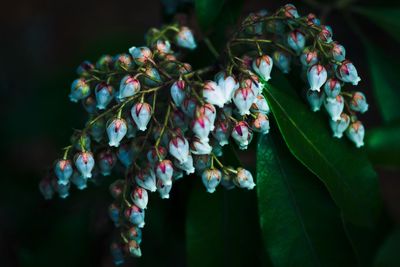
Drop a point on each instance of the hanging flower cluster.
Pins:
(152, 119)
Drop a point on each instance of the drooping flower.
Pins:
(178, 92)
(348, 73)
(84, 162)
(185, 39)
(104, 94)
(211, 179)
(79, 90)
(135, 215)
(141, 114)
(358, 102)
(339, 126)
(213, 94)
(315, 99)
(263, 66)
(244, 179)
(140, 197)
(106, 161)
(128, 87)
(116, 131)
(316, 76)
(334, 107)
(355, 132)
(146, 179)
(332, 88)
(296, 40)
(243, 99)
(164, 171)
(63, 170)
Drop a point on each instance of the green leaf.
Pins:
(388, 255)
(384, 78)
(300, 223)
(344, 169)
(386, 18)
(207, 12)
(222, 228)
(384, 145)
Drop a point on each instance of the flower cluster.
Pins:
(152, 119)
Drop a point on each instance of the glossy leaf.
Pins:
(383, 73)
(344, 169)
(207, 12)
(297, 215)
(384, 145)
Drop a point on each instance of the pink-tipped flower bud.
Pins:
(325, 34)
(146, 179)
(189, 106)
(221, 132)
(313, 20)
(140, 197)
(116, 130)
(244, 179)
(211, 179)
(84, 162)
(358, 102)
(140, 54)
(106, 162)
(135, 215)
(242, 134)
(309, 57)
(178, 93)
(199, 147)
(228, 85)
(163, 189)
(263, 66)
(104, 94)
(296, 40)
(316, 76)
(141, 114)
(123, 62)
(185, 39)
(163, 47)
(179, 148)
(134, 233)
(261, 124)
(332, 88)
(209, 111)
(201, 127)
(213, 94)
(348, 73)
(63, 170)
(134, 249)
(282, 60)
(79, 90)
(260, 105)
(243, 99)
(128, 87)
(339, 126)
(355, 132)
(334, 107)
(290, 11)
(164, 171)
(338, 52)
(186, 166)
(315, 99)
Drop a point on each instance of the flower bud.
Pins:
(79, 90)
(213, 94)
(244, 179)
(105, 62)
(84, 68)
(140, 197)
(355, 132)
(221, 132)
(164, 171)
(104, 94)
(261, 124)
(123, 62)
(243, 99)
(84, 162)
(178, 92)
(117, 255)
(338, 52)
(164, 188)
(146, 179)
(89, 104)
(260, 105)
(62, 189)
(185, 39)
(134, 249)
(209, 111)
(135, 215)
(201, 127)
(106, 162)
(140, 54)
(296, 40)
(125, 154)
(189, 106)
(339, 126)
(199, 147)
(348, 73)
(315, 99)
(309, 57)
(116, 130)
(117, 188)
(163, 47)
(63, 170)
(282, 61)
(228, 85)
(134, 233)
(211, 179)
(201, 162)
(97, 129)
(290, 11)
(334, 107)
(325, 34)
(114, 213)
(46, 189)
(242, 134)
(332, 88)
(128, 86)
(179, 148)
(263, 66)
(316, 76)
(79, 181)
(312, 20)
(358, 102)
(186, 166)
(141, 114)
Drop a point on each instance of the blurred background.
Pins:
(42, 43)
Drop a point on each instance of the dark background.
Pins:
(42, 42)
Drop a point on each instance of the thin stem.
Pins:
(162, 131)
(211, 47)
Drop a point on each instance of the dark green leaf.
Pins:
(301, 225)
(388, 255)
(384, 76)
(222, 228)
(344, 169)
(207, 12)
(384, 145)
(386, 18)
